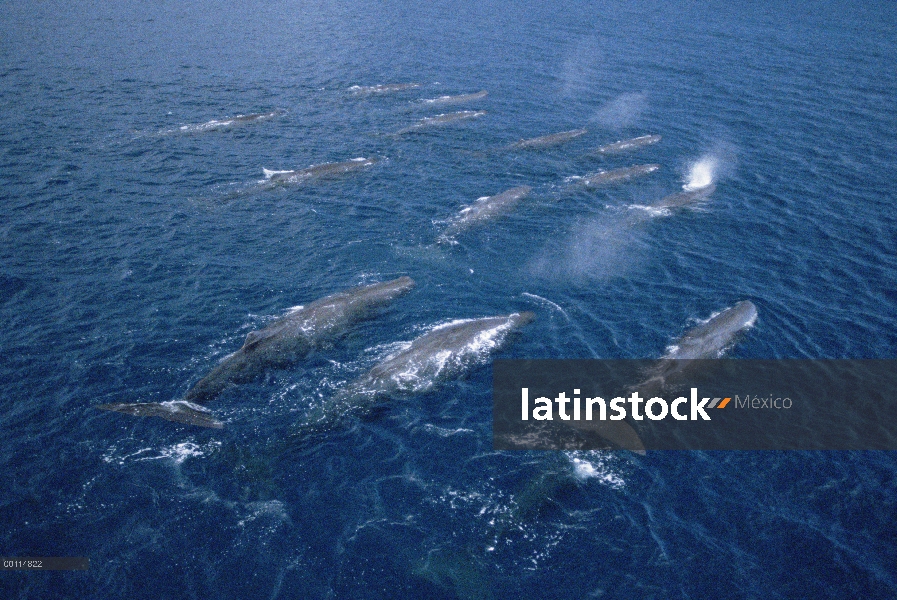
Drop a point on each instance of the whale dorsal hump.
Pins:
(254, 337)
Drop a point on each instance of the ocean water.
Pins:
(137, 248)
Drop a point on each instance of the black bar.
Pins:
(786, 404)
(44, 563)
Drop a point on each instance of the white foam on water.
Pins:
(491, 511)
(267, 508)
(385, 351)
(450, 324)
(652, 211)
(594, 466)
(269, 173)
(490, 503)
(181, 452)
(548, 302)
(178, 453)
(111, 457)
(445, 432)
(208, 125)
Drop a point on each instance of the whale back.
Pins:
(287, 339)
(711, 338)
(443, 352)
(685, 198)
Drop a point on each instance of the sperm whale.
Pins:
(618, 175)
(484, 209)
(383, 88)
(460, 99)
(444, 352)
(315, 171)
(711, 339)
(685, 198)
(548, 140)
(217, 124)
(442, 120)
(286, 340)
(626, 145)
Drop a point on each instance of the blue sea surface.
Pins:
(134, 255)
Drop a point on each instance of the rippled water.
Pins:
(137, 248)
